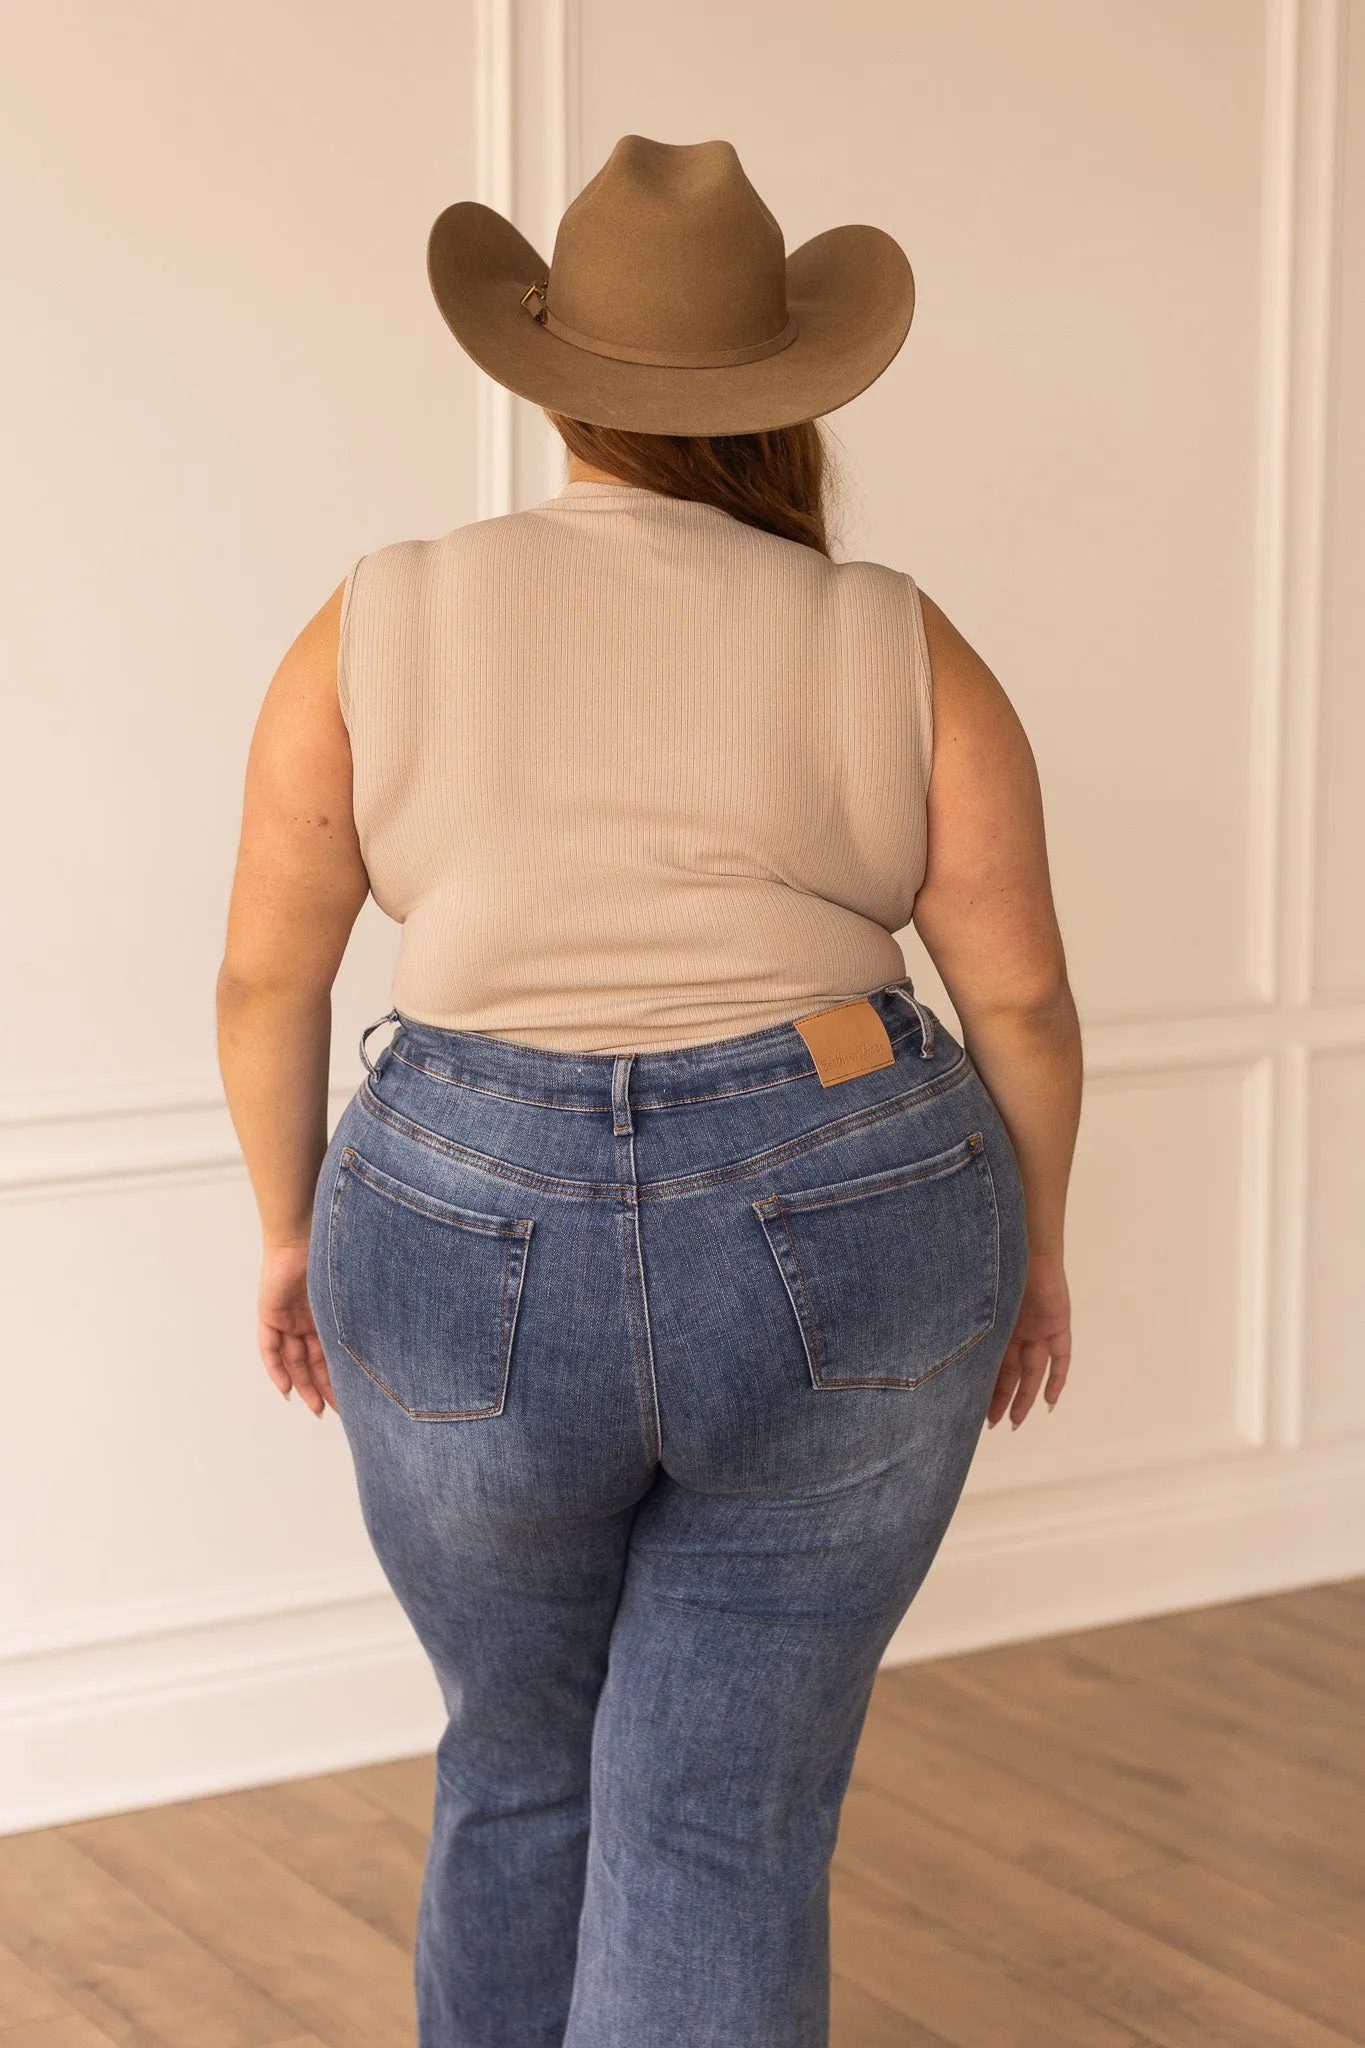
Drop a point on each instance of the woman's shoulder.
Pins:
(861, 572)
(473, 540)
(381, 566)
(398, 569)
(875, 590)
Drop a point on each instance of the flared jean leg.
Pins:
(741, 1667)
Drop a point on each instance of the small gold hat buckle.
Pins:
(536, 291)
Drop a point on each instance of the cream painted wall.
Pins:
(1124, 446)
(224, 380)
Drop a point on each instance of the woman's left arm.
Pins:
(297, 891)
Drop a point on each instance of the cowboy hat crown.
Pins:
(698, 280)
(670, 305)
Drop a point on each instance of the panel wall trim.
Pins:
(210, 1708)
(1303, 40)
(1306, 212)
(1015, 1566)
(118, 1136)
(1304, 55)
(527, 151)
(1282, 32)
(136, 1624)
(198, 1707)
(493, 67)
(1255, 1234)
(122, 1140)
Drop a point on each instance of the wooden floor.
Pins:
(1150, 1834)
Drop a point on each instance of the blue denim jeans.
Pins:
(662, 1373)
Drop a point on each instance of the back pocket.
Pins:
(893, 1276)
(424, 1294)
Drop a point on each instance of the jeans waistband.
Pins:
(598, 1080)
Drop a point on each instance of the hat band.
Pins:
(712, 359)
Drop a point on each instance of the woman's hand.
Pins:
(286, 1333)
(1042, 1337)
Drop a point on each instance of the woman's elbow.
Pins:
(252, 983)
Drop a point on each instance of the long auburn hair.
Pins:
(776, 480)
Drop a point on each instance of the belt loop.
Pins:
(620, 1094)
(389, 1017)
(905, 989)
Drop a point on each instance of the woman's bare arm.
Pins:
(298, 889)
(986, 916)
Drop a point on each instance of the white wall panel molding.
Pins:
(128, 1628)
(494, 113)
(209, 1706)
(120, 1138)
(1195, 1041)
(1256, 1264)
(1279, 211)
(1015, 1565)
(1304, 64)
(61, 1142)
(1302, 199)
(1331, 1392)
(1339, 768)
(1287, 1250)
(1169, 1258)
(528, 157)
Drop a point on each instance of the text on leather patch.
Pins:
(845, 1041)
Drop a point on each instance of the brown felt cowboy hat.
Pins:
(670, 305)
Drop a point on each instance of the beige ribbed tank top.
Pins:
(632, 775)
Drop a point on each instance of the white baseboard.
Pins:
(208, 1706)
(199, 1709)
(1019, 1565)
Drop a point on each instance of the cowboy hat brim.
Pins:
(850, 289)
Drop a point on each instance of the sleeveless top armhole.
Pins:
(923, 683)
(343, 671)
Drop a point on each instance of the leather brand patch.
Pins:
(847, 1040)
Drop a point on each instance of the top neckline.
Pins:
(578, 485)
(584, 490)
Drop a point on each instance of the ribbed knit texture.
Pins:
(633, 775)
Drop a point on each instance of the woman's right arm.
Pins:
(986, 916)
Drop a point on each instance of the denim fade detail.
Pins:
(662, 1373)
